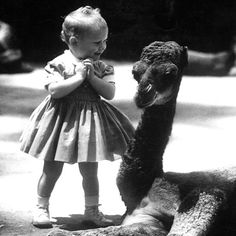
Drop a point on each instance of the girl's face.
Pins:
(91, 45)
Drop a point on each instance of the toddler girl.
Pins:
(73, 124)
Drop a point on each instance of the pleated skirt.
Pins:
(76, 130)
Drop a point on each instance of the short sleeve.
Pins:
(106, 71)
(54, 73)
(109, 70)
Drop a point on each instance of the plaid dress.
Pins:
(80, 127)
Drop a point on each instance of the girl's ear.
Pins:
(73, 40)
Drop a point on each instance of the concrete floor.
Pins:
(203, 137)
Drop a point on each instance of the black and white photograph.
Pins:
(117, 118)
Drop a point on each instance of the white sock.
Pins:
(91, 201)
(43, 201)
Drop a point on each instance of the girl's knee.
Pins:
(53, 169)
(88, 169)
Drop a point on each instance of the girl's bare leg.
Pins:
(89, 171)
(51, 172)
(90, 183)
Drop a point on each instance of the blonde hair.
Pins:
(80, 21)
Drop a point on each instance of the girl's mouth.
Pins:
(97, 54)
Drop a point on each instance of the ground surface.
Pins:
(203, 137)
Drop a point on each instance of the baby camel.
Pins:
(158, 203)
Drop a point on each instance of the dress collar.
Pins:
(70, 57)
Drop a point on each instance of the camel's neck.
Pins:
(156, 124)
(152, 135)
(142, 161)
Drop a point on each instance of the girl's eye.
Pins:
(98, 43)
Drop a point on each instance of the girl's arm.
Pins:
(102, 87)
(61, 88)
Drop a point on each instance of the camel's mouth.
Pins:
(157, 85)
(149, 96)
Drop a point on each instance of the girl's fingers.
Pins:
(88, 65)
(88, 62)
(88, 59)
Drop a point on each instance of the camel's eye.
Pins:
(163, 75)
(139, 69)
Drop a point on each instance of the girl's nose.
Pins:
(102, 46)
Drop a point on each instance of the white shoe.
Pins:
(41, 217)
(92, 214)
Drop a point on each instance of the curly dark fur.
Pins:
(196, 203)
(142, 161)
(163, 52)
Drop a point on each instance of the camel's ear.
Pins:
(184, 56)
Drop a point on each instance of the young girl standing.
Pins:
(73, 124)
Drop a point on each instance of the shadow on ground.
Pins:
(17, 101)
(200, 114)
(77, 222)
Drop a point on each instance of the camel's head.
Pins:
(159, 73)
